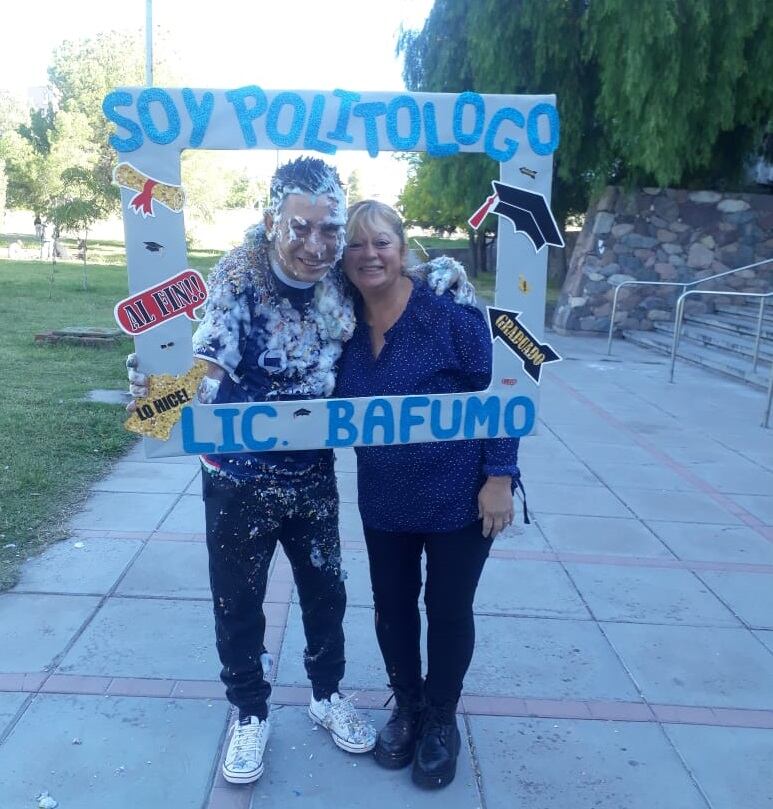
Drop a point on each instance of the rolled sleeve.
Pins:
(500, 457)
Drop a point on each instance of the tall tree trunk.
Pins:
(85, 271)
(473, 237)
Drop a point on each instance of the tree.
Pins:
(246, 192)
(202, 178)
(79, 205)
(12, 145)
(684, 89)
(426, 201)
(83, 72)
(353, 190)
(673, 93)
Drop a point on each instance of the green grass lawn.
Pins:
(54, 442)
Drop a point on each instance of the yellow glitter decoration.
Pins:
(160, 410)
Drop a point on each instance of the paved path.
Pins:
(625, 640)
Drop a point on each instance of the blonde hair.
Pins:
(371, 215)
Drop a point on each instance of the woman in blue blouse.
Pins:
(446, 499)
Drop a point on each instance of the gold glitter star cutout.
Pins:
(160, 410)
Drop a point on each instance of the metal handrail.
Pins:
(763, 296)
(684, 284)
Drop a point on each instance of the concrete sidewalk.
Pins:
(625, 640)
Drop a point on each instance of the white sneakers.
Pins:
(243, 762)
(244, 758)
(349, 730)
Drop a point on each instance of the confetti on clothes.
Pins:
(244, 291)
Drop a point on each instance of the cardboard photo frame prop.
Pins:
(153, 126)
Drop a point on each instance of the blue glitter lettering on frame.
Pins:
(200, 113)
(348, 100)
(505, 114)
(121, 98)
(543, 147)
(290, 137)
(311, 139)
(369, 112)
(246, 115)
(474, 100)
(144, 100)
(434, 148)
(397, 140)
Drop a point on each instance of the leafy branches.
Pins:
(674, 92)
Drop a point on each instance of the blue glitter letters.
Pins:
(395, 105)
(246, 115)
(272, 119)
(200, 114)
(475, 100)
(430, 133)
(540, 147)
(144, 100)
(505, 114)
(369, 112)
(311, 140)
(120, 98)
(348, 100)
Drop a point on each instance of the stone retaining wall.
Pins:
(662, 234)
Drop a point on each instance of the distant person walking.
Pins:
(46, 241)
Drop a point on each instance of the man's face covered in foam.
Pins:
(307, 233)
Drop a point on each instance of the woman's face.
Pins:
(373, 258)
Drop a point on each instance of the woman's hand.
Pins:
(495, 504)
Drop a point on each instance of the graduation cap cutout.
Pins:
(302, 412)
(527, 210)
(153, 247)
(506, 327)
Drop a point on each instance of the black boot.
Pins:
(434, 765)
(396, 741)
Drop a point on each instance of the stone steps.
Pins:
(709, 358)
(739, 326)
(721, 342)
(728, 340)
(748, 313)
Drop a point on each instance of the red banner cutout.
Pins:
(179, 295)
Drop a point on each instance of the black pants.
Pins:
(244, 522)
(454, 563)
